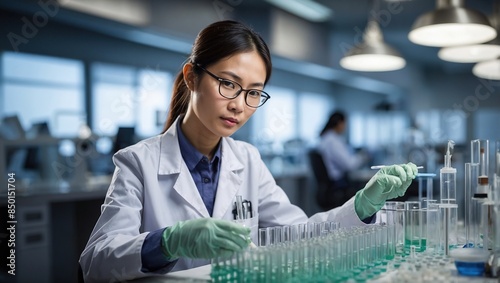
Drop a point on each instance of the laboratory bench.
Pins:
(55, 219)
(54, 222)
(202, 274)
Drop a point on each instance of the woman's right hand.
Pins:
(204, 238)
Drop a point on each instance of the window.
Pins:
(440, 126)
(129, 97)
(486, 125)
(43, 89)
(276, 121)
(314, 111)
(377, 129)
(290, 115)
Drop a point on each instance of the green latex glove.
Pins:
(388, 183)
(204, 238)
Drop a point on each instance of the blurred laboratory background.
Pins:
(81, 79)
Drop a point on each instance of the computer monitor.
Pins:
(11, 128)
(40, 129)
(124, 137)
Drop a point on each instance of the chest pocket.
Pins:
(253, 224)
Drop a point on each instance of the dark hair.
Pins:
(336, 118)
(215, 42)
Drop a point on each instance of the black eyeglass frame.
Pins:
(265, 95)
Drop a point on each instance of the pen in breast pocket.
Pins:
(247, 209)
(239, 207)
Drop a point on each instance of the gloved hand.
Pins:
(204, 238)
(388, 183)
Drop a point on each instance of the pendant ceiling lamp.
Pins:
(474, 53)
(373, 54)
(451, 24)
(471, 53)
(489, 70)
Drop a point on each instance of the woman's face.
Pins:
(220, 116)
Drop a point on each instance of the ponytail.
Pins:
(335, 119)
(179, 102)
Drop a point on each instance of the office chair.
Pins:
(327, 195)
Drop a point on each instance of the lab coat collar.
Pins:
(170, 152)
(230, 180)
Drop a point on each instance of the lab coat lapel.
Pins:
(186, 188)
(229, 181)
(171, 163)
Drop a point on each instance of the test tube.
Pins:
(448, 185)
(496, 184)
(448, 227)
(394, 217)
(495, 263)
(496, 218)
(334, 225)
(271, 236)
(413, 226)
(484, 157)
(487, 229)
(495, 270)
(497, 157)
(472, 215)
(480, 155)
(286, 234)
(432, 226)
(425, 182)
(302, 228)
(263, 238)
(294, 233)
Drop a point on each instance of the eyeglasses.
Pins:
(231, 89)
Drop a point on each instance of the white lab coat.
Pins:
(152, 188)
(337, 155)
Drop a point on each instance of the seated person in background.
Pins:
(338, 157)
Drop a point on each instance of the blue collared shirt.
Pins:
(205, 174)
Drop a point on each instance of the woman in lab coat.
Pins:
(171, 199)
(339, 160)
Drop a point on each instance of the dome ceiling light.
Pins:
(373, 54)
(476, 52)
(451, 24)
(489, 70)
